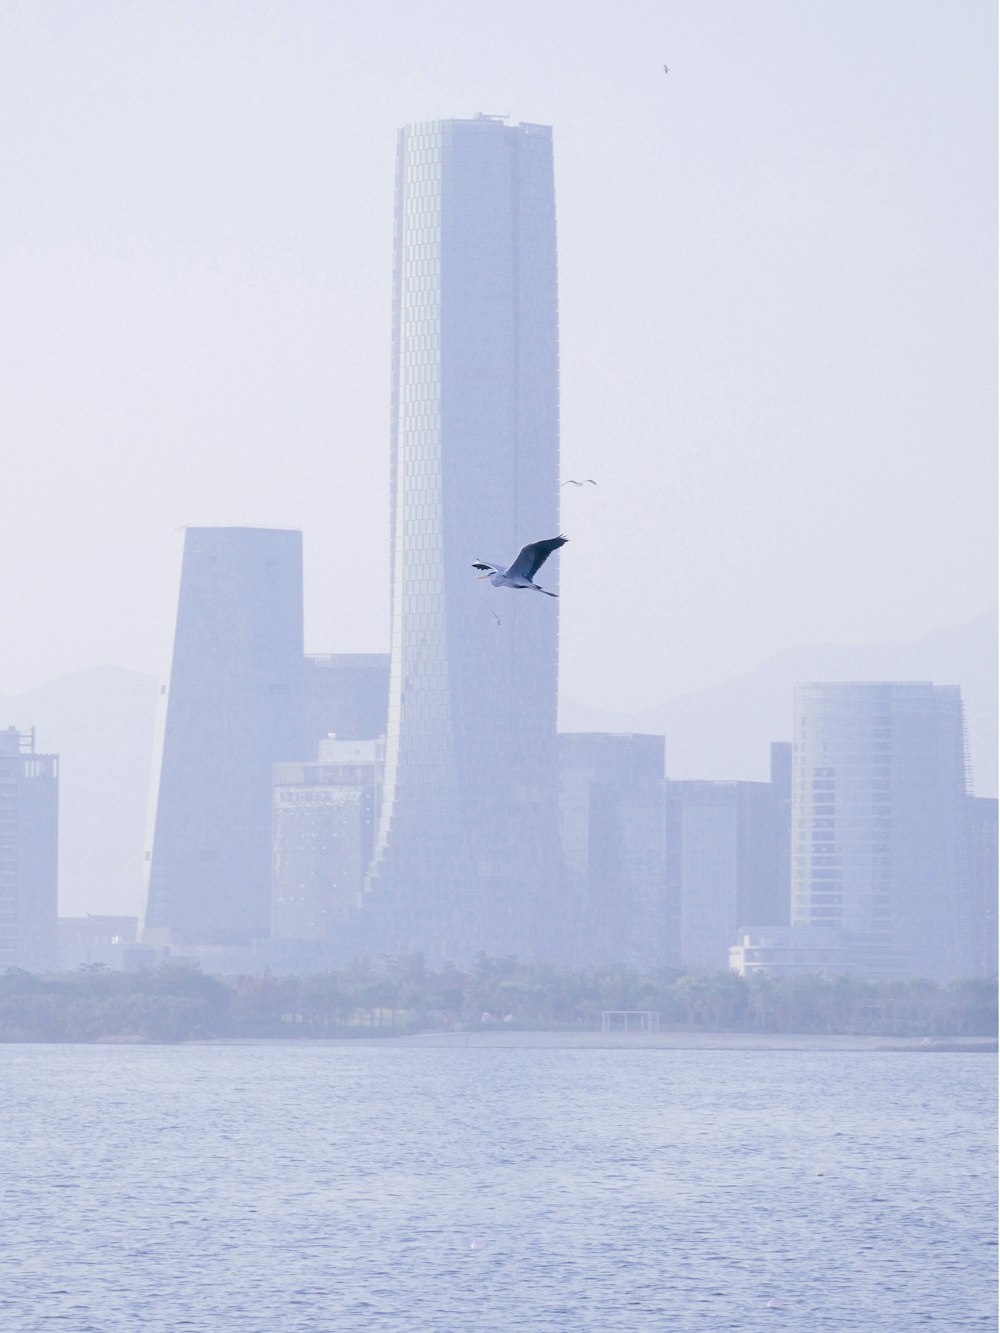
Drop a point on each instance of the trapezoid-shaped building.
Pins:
(234, 709)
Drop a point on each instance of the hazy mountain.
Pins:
(100, 722)
(725, 732)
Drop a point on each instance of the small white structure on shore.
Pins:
(630, 1020)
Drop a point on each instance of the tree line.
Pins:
(177, 1001)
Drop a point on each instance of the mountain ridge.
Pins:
(725, 731)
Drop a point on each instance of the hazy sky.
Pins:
(777, 297)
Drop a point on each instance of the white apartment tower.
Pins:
(878, 809)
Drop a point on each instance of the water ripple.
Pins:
(312, 1188)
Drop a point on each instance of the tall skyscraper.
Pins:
(467, 847)
(29, 840)
(879, 822)
(234, 709)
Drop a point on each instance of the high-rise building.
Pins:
(233, 710)
(727, 862)
(611, 809)
(324, 826)
(879, 822)
(467, 849)
(29, 841)
(979, 946)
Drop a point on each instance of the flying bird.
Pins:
(521, 573)
(587, 481)
(666, 69)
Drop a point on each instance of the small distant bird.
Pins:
(497, 618)
(587, 481)
(666, 69)
(521, 573)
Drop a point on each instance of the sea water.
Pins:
(298, 1187)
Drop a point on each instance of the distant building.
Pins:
(29, 846)
(879, 823)
(467, 855)
(233, 710)
(979, 946)
(727, 861)
(324, 831)
(611, 812)
(781, 796)
(97, 941)
(346, 695)
(785, 950)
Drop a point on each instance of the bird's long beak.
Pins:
(481, 576)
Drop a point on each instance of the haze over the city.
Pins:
(408, 1011)
(777, 313)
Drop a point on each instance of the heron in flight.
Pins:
(521, 572)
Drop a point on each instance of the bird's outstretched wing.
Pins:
(530, 558)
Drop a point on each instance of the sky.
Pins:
(777, 313)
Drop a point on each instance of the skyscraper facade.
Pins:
(879, 822)
(234, 709)
(468, 839)
(29, 839)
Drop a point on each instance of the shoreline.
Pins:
(660, 1041)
